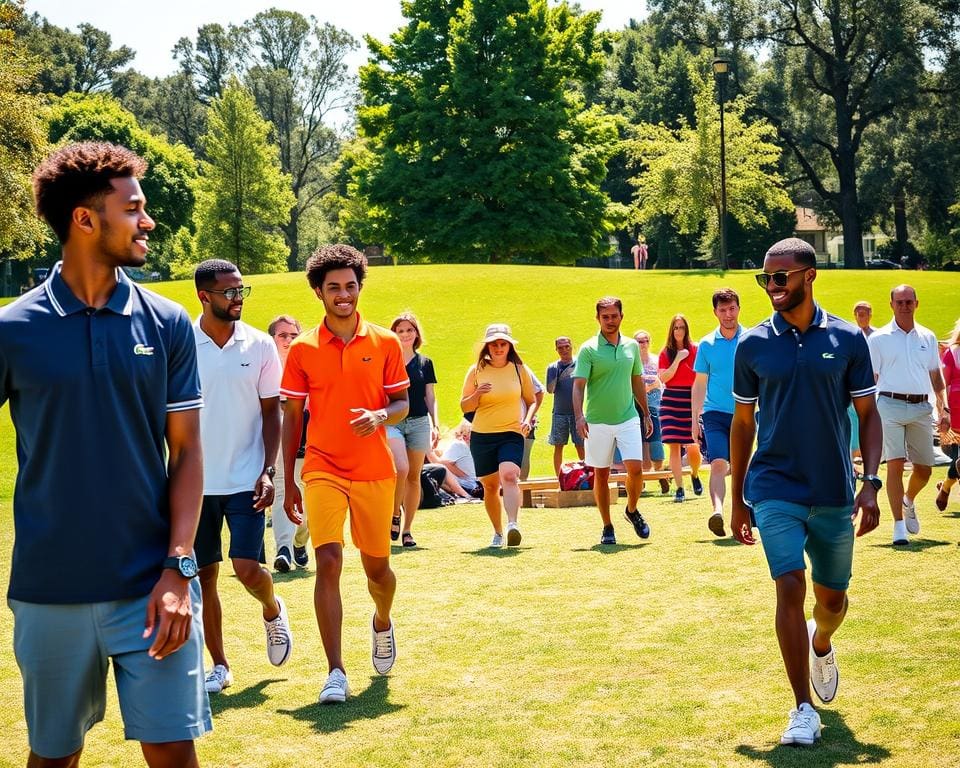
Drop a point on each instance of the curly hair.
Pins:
(80, 174)
(336, 256)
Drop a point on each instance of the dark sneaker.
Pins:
(300, 556)
(697, 486)
(715, 524)
(638, 523)
(608, 536)
(664, 487)
(679, 496)
(281, 563)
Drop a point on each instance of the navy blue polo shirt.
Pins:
(803, 383)
(89, 394)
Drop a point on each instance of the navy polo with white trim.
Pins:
(89, 393)
(803, 383)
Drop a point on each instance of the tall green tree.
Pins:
(480, 149)
(243, 198)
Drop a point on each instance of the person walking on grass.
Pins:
(101, 377)
(712, 396)
(653, 454)
(497, 389)
(563, 427)
(802, 367)
(676, 411)
(610, 375)
(411, 438)
(950, 437)
(240, 427)
(906, 361)
(353, 373)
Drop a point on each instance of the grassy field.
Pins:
(657, 653)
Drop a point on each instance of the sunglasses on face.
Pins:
(232, 293)
(779, 277)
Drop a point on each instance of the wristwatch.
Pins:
(270, 471)
(185, 565)
(875, 481)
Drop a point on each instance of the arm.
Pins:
(270, 413)
(697, 395)
(668, 373)
(871, 444)
(742, 432)
(471, 393)
(551, 379)
(433, 409)
(940, 392)
(290, 443)
(168, 609)
(640, 395)
(579, 387)
(367, 422)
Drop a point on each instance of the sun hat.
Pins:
(497, 331)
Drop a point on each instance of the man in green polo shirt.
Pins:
(610, 372)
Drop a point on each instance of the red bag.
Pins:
(576, 476)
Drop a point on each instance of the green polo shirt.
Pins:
(609, 370)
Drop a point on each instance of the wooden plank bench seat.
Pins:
(548, 489)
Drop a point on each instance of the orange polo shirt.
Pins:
(338, 377)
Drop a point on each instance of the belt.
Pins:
(906, 398)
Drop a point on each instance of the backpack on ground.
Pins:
(576, 476)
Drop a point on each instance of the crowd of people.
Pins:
(216, 421)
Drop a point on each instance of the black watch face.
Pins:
(188, 567)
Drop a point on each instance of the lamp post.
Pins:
(721, 69)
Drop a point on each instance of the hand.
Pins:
(366, 423)
(263, 492)
(866, 503)
(683, 354)
(434, 437)
(482, 389)
(525, 428)
(582, 429)
(170, 604)
(944, 421)
(647, 425)
(740, 523)
(695, 429)
(293, 503)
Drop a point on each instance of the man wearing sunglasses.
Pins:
(240, 429)
(803, 367)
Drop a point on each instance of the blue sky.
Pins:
(152, 28)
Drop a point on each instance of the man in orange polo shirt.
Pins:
(354, 375)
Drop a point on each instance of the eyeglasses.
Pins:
(779, 277)
(232, 293)
(643, 341)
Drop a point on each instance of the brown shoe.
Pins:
(664, 487)
(942, 497)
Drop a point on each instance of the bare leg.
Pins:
(634, 483)
(829, 611)
(70, 761)
(676, 465)
(382, 585)
(399, 450)
(918, 481)
(894, 486)
(693, 459)
(411, 489)
(718, 484)
(451, 485)
(173, 754)
(509, 479)
(212, 614)
(792, 633)
(557, 459)
(258, 582)
(491, 500)
(601, 492)
(327, 602)
(581, 451)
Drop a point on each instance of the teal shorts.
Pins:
(64, 652)
(825, 533)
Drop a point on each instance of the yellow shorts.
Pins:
(327, 497)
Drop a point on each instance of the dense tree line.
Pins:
(509, 130)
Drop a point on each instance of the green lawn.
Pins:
(658, 653)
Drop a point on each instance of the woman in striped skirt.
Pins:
(676, 372)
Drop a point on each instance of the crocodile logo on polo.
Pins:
(828, 356)
(142, 350)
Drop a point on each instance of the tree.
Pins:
(681, 168)
(481, 149)
(169, 105)
(243, 198)
(22, 140)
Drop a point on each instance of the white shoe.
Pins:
(497, 541)
(217, 679)
(513, 535)
(279, 636)
(824, 673)
(383, 648)
(910, 516)
(336, 689)
(900, 536)
(804, 726)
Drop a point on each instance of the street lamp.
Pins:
(721, 69)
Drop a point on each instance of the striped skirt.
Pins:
(675, 416)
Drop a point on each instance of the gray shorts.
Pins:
(563, 429)
(907, 430)
(63, 652)
(414, 432)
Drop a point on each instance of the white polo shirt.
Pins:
(234, 380)
(903, 361)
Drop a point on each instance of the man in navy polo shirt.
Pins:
(802, 367)
(101, 376)
(712, 396)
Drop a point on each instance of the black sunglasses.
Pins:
(779, 277)
(232, 293)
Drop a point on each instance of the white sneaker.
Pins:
(217, 679)
(910, 516)
(336, 689)
(279, 636)
(383, 648)
(900, 533)
(513, 535)
(804, 726)
(497, 541)
(824, 673)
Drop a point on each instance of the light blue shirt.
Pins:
(715, 356)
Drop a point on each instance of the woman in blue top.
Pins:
(411, 438)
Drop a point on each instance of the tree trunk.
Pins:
(291, 233)
(900, 219)
(849, 212)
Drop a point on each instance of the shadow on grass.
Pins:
(916, 545)
(492, 552)
(399, 549)
(292, 575)
(330, 718)
(609, 549)
(837, 746)
(251, 696)
(726, 541)
(954, 515)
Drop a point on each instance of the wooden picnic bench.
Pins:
(548, 493)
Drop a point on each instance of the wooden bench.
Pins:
(549, 493)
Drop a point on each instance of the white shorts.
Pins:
(603, 438)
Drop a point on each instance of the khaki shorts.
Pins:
(907, 430)
(327, 498)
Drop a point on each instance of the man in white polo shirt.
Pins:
(240, 430)
(906, 364)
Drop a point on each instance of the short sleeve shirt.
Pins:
(684, 377)
(420, 372)
(609, 370)
(502, 408)
(458, 452)
(715, 356)
(339, 377)
(89, 392)
(803, 384)
(561, 374)
(903, 360)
